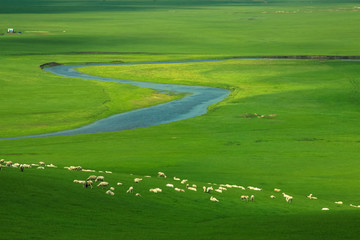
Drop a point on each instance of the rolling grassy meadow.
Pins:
(309, 145)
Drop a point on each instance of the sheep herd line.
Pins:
(177, 184)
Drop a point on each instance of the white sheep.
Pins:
(109, 192)
(213, 199)
(218, 190)
(16, 165)
(103, 184)
(183, 181)
(244, 197)
(272, 197)
(147, 176)
(252, 198)
(108, 171)
(74, 168)
(51, 165)
(26, 165)
(99, 178)
(310, 196)
(92, 177)
(339, 202)
(277, 190)
(2, 160)
(9, 163)
(87, 184)
(155, 190)
(112, 188)
(40, 167)
(170, 185)
(130, 190)
(137, 180)
(179, 190)
(325, 209)
(209, 189)
(42, 163)
(119, 184)
(138, 195)
(176, 179)
(161, 174)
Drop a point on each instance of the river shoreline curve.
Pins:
(196, 102)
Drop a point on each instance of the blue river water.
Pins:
(195, 103)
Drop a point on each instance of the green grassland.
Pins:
(310, 146)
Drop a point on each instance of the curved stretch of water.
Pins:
(195, 104)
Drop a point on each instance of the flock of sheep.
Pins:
(183, 185)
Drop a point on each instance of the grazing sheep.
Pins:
(109, 192)
(130, 190)
(9, 163)
(277, 190)
(99, 178)
(191, 188)
(108, 171)
(42, 164)
(51, 165)
(170, 185)
(339, 202)
(137, 180)
(40, 168)
(209, 189)
(87, 184)
(352, 205)
(73, 168)
(272, 197)
(119, 184)
(213, 199)
(204, 188)
(16, 165)
(179, 190)
(311, 196)
(155, 190)
(112, 188)
(325, 209)
(27, 166)
(147, 176)
(21, 167)
(103, 184)
(92, 177)
(289, 199)
(223, 189)
(194, 186)
(244, 197)
(252, 198)
(161, 174)
(218, 190)
(34, 165)
(183, 181)
(176, 179)
(2, 160)
(138, 195)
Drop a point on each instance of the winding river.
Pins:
(194, 104)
